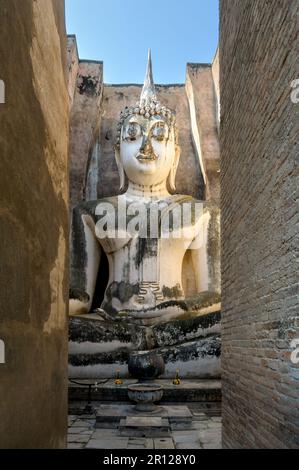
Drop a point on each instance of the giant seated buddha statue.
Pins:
(145, 233)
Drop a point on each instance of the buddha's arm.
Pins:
(200, 265)
(85, 259)
(205, 251)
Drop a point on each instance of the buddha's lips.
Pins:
(141, 157)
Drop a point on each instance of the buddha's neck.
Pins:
(149, 192)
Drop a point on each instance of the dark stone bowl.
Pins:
(144, 365)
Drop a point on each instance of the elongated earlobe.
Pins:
(121, 172)
(172, 173)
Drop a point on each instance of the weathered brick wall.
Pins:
(259, 50)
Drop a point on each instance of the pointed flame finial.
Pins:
(148, 104)
(148, 94)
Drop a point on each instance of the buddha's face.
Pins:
(147, 149)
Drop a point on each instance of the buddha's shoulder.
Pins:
(108, 204)
(185, 198)
(112, 200)
(196, 207)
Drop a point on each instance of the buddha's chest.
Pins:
(144, 272)
(138, 250)
(145, 259)
(122, 222)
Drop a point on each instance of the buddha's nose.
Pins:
(146, 146)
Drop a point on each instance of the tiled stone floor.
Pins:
(205, 433)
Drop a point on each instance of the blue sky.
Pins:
(119, 32)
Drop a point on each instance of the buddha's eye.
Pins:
(159, 131)
(132, 132)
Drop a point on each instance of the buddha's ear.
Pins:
(172, 173)
(121, 172)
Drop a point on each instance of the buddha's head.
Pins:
(147, 152)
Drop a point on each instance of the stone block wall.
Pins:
(85, 90)
(202, 95)
(259, 49)
(33, 224)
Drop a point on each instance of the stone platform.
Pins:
(158, 422)
(133, 423)
(207, 392)
(190, 343)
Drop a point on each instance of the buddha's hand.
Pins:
(79, 302)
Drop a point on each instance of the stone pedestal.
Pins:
(127, 419)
